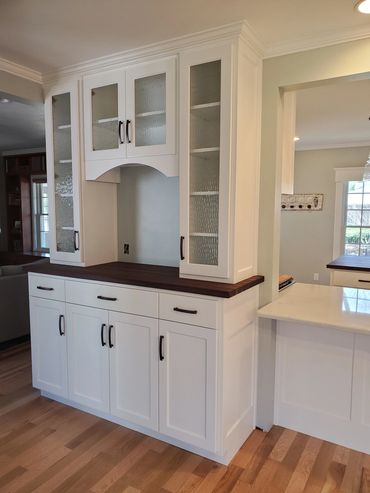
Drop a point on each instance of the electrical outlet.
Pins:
(316, 276)
(126, 248)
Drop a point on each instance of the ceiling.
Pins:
(21, 124)
(48, 34)
(334, 116)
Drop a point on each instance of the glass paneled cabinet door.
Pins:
(63, 170)
(131, 112)
(205, 107)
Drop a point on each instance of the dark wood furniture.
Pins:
(350, 262)
(18, 172)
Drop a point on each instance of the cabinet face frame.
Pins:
(224, 53)
(167, 67)
(72, 89)
(41, 334)
(95, 82)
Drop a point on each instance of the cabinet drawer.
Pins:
(185, 309)
(352, 279)
(51, 288)
(113, 298)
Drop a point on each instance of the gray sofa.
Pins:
(14, 307)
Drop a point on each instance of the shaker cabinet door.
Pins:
(49, 348)
(187, 376)
(88, 356)
(134, 369)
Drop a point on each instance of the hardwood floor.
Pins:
(47, 447)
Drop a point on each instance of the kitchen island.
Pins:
(322, 372)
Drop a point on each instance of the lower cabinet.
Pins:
(134, 369)
(49, 346)
(88, 356)
(187, 379)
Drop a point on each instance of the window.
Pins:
(40, 214)
(357, 219)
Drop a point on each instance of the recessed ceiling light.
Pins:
(4, 100)
(363, 6)
(296, 139)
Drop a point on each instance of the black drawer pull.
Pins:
(161, 339)
(106, 298)
(110, 336)
(103, 343)
(44, 288)
(363, 280)
(182, 256)
(61, 322)
(182, 310)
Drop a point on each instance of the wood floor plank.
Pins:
(47, 447)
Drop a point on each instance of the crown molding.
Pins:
(20, 71)
(305, 43)
(163, 48)
(340, 145)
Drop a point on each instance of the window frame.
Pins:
(342, 177)
(36, 233)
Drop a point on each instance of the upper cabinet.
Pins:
(219, 161)
(63, 169)
(288, 138)
(130, 117)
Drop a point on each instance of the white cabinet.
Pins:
(130, 117)
(219, 162)
(63, 169)
(134, 369)
(49, 350)
(88, 356)
(187, 376)
(288, 136)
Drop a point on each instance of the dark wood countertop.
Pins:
(350, 262)
(149, 276)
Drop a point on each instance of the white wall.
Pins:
(148, 216)
(306, 243)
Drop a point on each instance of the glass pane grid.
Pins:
(357, 219)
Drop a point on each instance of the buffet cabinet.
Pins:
(191, 111)
(176, 366)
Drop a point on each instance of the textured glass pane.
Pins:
(355, 186)
(63, 178)
(104, 101)
(203, 250)
(204, 214)
(205, 83)
(354, 218)
(204, 172)
(354, 201)
(150, 110)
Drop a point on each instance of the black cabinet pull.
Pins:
(103, 343)
(128, 123)
(61, 322)
(76, 240)
(183, 310)
(363, 280)
(110, 336)
(106, 298)
(120, 136)
(161, 339)
(182, 256)
(44, 288)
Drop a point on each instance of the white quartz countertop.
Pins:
(330, 306)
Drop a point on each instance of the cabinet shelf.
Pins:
(65, 195)
(150, 113)
(67, 228)
(204, 150)
(208, 111)
(64, 127)
(205, 235)
(206, 105)
(65, 161)
(106, 120)
(207, 193)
